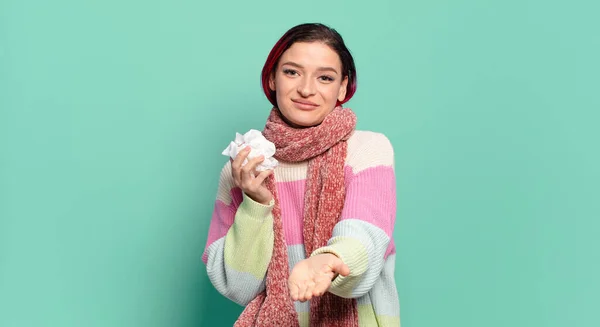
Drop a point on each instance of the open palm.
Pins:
(312, 276)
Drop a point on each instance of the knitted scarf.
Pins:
(325, 148)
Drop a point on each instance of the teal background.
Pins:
(113, 115)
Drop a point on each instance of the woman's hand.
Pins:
(248, 179)
(312, 277)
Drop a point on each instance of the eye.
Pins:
(326, 78)
(290, 72)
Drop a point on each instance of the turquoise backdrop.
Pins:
(113, 115)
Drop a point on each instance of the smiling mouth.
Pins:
(305, 106)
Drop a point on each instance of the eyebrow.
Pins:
(291, 63)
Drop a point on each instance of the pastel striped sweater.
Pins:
(240, 239)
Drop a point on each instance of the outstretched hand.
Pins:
(312, 276)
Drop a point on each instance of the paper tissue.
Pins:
(258, 144)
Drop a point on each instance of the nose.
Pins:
(306, 87)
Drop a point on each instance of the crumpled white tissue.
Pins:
(258, 144)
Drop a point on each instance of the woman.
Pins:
(309, 243)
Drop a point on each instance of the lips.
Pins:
(305, 105)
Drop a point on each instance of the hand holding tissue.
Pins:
(258, 144)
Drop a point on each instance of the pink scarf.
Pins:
(325, 148)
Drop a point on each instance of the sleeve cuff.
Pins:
(255, 210)
(353, 254)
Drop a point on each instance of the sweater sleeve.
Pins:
(363, 236)
(240, 242)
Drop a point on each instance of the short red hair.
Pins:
(310, 33)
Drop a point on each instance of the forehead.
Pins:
(314, 54)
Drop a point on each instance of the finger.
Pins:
(342, 269)
(253, 163)
(322, 286)
(235, 172)
(293, 290)
(236, 165)
(308, 294)
(260, 178)
(338, 266)
(239, 159)
(301, 291)
(248, 170)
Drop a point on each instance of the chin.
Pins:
(305, 119)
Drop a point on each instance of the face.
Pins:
(308, 82)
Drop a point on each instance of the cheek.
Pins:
(332, 93)
(284, 86)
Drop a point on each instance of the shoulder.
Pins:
(368, 149)
(362, 139)
(226, 184)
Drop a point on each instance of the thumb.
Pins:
(342, 268)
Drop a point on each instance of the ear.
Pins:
(342, 92)
(272, 82)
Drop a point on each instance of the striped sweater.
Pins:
(240, 237)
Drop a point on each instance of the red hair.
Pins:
(310, 33)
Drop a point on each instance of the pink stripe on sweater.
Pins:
(291, 200)
(222, 218)
(371, 197)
